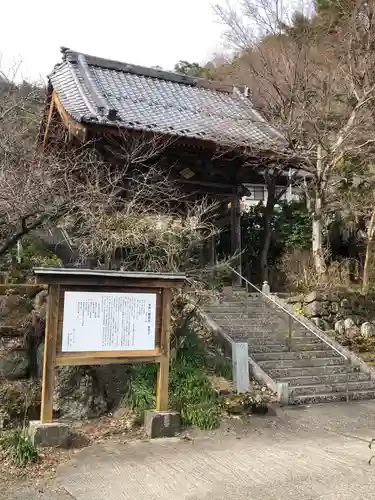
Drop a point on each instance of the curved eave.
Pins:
(80, 130)
(53, 105)
(76, 127)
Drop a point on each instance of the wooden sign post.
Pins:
(105, 317)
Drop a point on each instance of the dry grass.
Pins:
(299, 270)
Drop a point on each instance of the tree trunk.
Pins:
(271, 180)
(315, 203)
(368, 254)
(317, 244)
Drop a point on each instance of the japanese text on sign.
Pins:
(95, 321)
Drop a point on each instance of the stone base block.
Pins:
(283, 393)
(161, 424)
(55, 434)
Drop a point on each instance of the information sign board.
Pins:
(108, 321)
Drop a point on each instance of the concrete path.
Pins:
(306, 454)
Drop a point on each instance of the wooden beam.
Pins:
(21, 288)
(230, 187)
(96, 282)
(77, 129)
(86, 359)
(68, 357)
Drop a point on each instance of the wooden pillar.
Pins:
(235, 226)
(49, 361)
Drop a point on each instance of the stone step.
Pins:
(222, 314)
(227, 299)
(222, 309)
(227, 318)
(267, 363)
(233, 312)
(284, 348)
(297, 342)
(243, 320)
(255, 331)
(264, 333)
(291, 372)
(237, 312)
(305, 390)
(322, 379)
(332, 397)
(254, 306)
(314, 371)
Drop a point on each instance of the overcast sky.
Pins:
(145, 32)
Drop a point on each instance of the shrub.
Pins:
(190, 391)
(141, 393)
(299, 270)
(192, 395)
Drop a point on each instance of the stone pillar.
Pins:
(266, 288)
(235, 225)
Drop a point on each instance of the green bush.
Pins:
(33, 254)
(205, 415)
(192, 395)
(190, 391)
(223, 368)
(17, 445)
(141, 393)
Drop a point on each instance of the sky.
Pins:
(144, 32)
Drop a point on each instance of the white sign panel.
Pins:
(96, 321)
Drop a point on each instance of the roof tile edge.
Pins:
(74, 57)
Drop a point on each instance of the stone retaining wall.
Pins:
(339, 311)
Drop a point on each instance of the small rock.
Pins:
(295, 299)
(334, 298)
(317, 322)
(313, 297)
(367, 330)
(78, 393)
(340, 327)
(14, 366)
(321, 323)
(348, 323)
(40, 303)
(352, 333)
(315, 309)
(345, 303)
(334, 307)
(357, 320)
(298, 307)
(8, 303)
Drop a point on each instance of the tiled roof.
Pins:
(94, 90)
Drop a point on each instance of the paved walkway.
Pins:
(306, 454)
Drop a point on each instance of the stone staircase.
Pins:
(314, 371)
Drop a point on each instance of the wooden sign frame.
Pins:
(61, 280)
